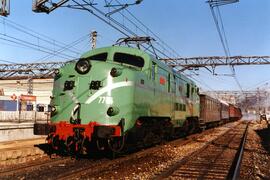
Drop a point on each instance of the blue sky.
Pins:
(187, 26)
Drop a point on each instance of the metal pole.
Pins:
(35, 116)
(93, 39)
(18, 97)
(20, 113)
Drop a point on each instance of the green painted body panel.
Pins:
(137, 92)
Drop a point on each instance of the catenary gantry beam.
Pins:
(45, 70)
(238, 93)
(213, 61)
(29, 70)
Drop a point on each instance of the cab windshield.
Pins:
(98, 57)
(129, 59)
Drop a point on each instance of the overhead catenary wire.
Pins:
(113, 23)
(147, 33)
(222, 35)
(165, 48)
(129, 31)
(154, 34)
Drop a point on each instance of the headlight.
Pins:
(112, 111)
(115, 72)
(53, 109)
(83, 66)
(56, 71)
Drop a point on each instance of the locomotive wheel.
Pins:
(50, 149)
(186, 127)
(151, 138)
(55, 142)
(70, 145)
(191, 127)
(75, 146)
(116, 144)
(80, 148)
(62, 148)
(100, 144)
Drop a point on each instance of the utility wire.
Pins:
(13, 45)
(72, 44)
(33, 33)
(39, 36)
(29, 45)
(10, 62)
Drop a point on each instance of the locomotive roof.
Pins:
(137, 52)
(112, 49)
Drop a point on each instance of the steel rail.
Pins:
(238, 158)
(34, 165)
(174, 167)
(88, 170)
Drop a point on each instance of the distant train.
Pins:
(117, 96)
(215, 112)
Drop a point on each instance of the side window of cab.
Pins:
(188, 90)
(153, 71)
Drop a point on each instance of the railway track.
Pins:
(34, 165)
(85, 166)
(96, 172)
(235, 168)
(89, 171)
(73, 169)
(218, 159)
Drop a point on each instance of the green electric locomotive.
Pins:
(117, 95)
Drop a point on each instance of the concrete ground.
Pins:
(19, 151)
(16, 131)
